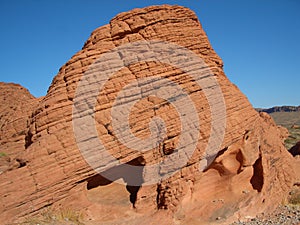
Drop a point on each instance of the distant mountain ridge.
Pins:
(280, 109)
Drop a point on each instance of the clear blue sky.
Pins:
(258, 40)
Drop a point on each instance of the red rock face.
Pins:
(16, 107)
(251, 173)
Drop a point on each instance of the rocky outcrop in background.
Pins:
(252, 173)
(280, 109)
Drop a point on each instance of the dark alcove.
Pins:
(131, 172)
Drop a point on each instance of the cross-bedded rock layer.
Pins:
(251, 174)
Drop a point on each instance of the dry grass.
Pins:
(293, 138)
(294, 198)
(288, 119)
(49, 216)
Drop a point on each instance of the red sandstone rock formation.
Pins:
(17, 105)
(250, 175)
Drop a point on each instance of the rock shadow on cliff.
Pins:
(129, 176)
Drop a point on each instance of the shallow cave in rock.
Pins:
(131, 173)
(257, 180)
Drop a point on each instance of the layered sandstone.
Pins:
(17, 105)
(251, 174)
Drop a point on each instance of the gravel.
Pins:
(283, 215)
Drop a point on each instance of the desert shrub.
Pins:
(294, 198)
(62, 216)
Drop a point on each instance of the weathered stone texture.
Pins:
(251, 174)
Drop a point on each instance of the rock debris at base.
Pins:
(283, 215)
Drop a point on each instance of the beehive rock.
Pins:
(251, 173)
(16, 107)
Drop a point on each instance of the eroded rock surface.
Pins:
(16, 107)
(251, 174)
